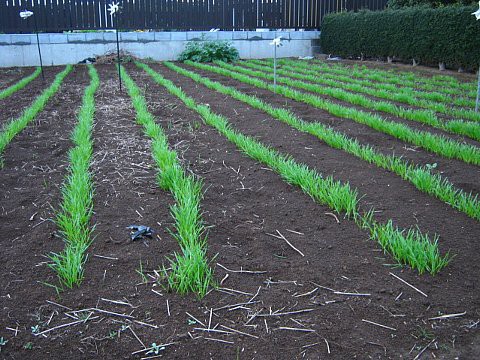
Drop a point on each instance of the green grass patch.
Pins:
(12, 128)
(434, 143)
(73, 218)
(335, 90)
(20, 84)
(407, 247)
(190, 269)
(391, 93)
(420, 177)
(396, 90)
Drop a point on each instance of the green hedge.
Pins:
(450, 35)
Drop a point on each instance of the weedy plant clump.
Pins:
(209, 51)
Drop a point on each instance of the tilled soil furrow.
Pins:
(10, 76)
(13, 106)
(462, 175)
(35, 165)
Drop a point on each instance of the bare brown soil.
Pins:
(9, 76)
(244, 202)
(13, 105)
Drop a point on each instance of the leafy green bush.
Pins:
(398, 4)
(449, 34)
(209, 51)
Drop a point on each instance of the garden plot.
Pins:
(23, 93)
(10, 76)
(293, 276)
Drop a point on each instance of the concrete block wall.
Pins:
(70, 48)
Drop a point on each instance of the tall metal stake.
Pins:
(275, 69)
(38, 46)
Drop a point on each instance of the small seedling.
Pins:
(141, 273)
(423, 334)
(28, 346)
(430, 167)
(3, 342)
(35, 329)
(155, 349)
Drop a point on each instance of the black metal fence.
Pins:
(63, 15)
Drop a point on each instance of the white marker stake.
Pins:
(25, 14)
(276, 43)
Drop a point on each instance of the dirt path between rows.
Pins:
(13, 106)
(10, 76)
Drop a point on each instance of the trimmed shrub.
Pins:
(449, 34)
(209, 51)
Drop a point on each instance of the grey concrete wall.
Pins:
(60, 49)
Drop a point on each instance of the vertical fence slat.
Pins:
(60, 15)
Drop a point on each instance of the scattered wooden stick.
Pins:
(59, 305)
(224, 278)
(406, 283)
(323, 287)
(235, 291)
(158, 293)
(194, 318)
(334, 216)
(168, 308)
(151, 348)
(238, 331)
(219, 340)
(118, 302)
(423, 350)
(286, 313)
(234, 305)
(105, 257)
(241, 271)
(213, 330)
(447, 316)
(328, 346)
(210, 318)
(256, 294)
(280, 236)
(295, 232)
(136, 337)
(253, 317)
(59, 327)
(350, 294)
(306, 294)
(146, 324)
(295, 329)
(377, 324)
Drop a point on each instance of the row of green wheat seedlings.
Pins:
(427, 117)
(434, 143)
(76, 209)
(405, 96)
(413, 77)
(12, 128)
(412, 80)
(20, 84)
(190, 270)
(432, 184)
(408, 247)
